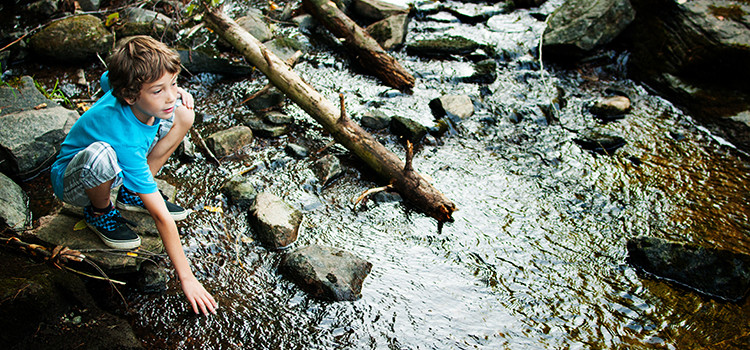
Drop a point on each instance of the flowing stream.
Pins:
(536, 257)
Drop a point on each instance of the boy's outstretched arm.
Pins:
(199, 298)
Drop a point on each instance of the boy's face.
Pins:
(156, 99)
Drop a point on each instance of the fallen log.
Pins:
(360, 45)
(409, 183)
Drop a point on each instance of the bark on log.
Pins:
(412, 186)
(360, 45)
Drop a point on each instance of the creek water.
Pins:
(536, 257)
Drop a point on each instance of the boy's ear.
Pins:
(130, 101)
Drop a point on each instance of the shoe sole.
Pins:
(132, 244)
(176, 216)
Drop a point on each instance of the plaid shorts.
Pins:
(95, 165)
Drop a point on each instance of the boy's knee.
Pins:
(184, 117)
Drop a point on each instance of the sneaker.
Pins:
(127, 200)
(112, 229)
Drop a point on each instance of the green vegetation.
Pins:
(55, 94)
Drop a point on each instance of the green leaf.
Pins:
(112, 19)
(80, 225)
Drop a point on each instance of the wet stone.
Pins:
(376, 10)
(390, 32)
(230, 141)
(609, 107)
(714, 272)
(327, 169)
(198, 61)
(263, 129)
(443, 47)
(255, 25)
(240, 192)
(296, 150)
(455, 107)
(599, 141)
(61, 229)
(30, 137)
(408, 129)
(375, 119)
(151, 278)
(275, 222)
(141, 21)
(326, 273)
(73, 39)
(484, 72)
(270, 99)
(278, 118)
(14, 211)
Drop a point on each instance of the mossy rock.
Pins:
(73, 39)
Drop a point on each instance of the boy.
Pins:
(125, 138)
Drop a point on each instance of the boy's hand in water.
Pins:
(199, 298)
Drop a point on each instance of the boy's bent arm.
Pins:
(196, 294)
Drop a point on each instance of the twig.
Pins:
(202, 144)
(372, 191)
(409, 157)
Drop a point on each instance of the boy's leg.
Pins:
(88, 179)
(167, 143)
(171, 132)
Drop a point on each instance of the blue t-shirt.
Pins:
(110, 121)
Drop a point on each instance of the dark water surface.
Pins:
(536, 256)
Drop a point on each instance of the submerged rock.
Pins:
(326, 273)
(327, 168)
(15, 209)
(73, 39)
(713, 272)
(151, 278)
(484, 72)
(29, 137)
(599, 141)
(579, 26)
(227, 142)
(262, 128)
(275, 222)
(240, 191)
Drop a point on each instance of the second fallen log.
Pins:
(361, 45)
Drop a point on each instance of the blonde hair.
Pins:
(139, 60)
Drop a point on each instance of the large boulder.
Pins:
(30, 137)
(696, 53)
(73, 39)
(714, 272)
(15, 209)
(326, 273)
(275, 222)
(579, 26)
